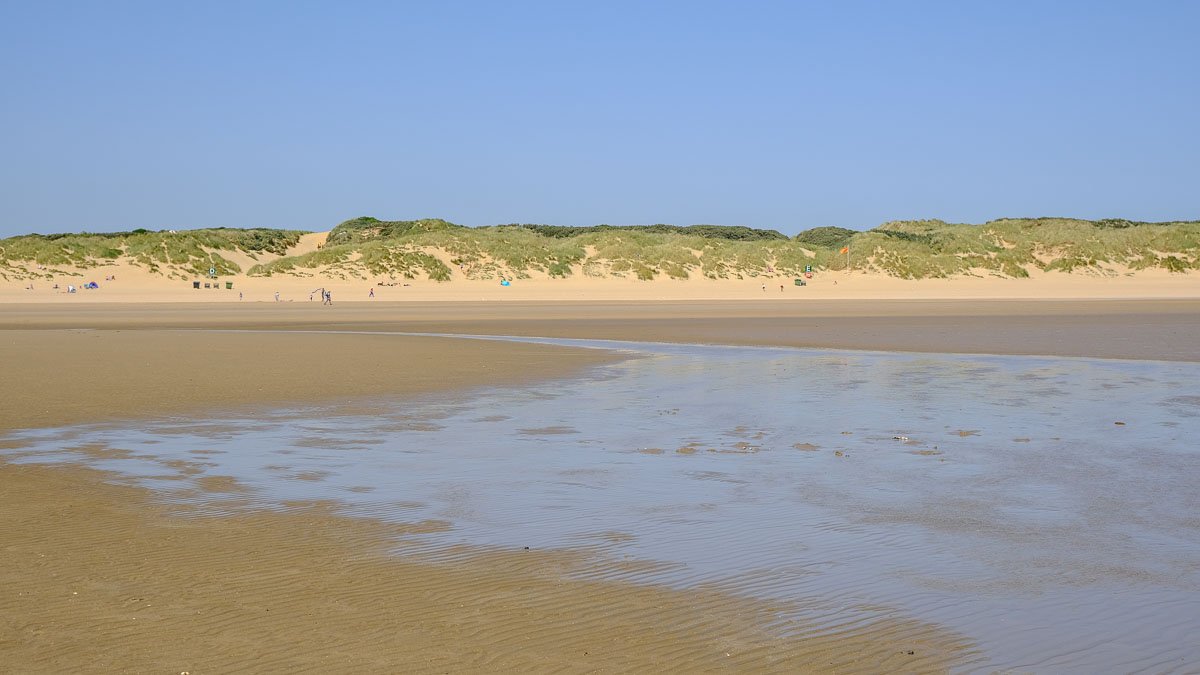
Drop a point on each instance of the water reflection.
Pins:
(1045, 507)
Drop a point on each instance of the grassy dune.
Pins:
(1014, 246)
(440, 250)
(905, 249)
(181, 254)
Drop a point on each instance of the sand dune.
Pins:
(131, 283)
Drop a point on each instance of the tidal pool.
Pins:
(1046, 508)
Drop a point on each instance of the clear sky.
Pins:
(787, 115)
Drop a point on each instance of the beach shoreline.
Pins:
(154, 579)
(1161, 329)
(100, 576)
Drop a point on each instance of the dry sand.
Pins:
(97, 576)
(135, 284)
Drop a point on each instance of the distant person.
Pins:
(764, 288)
(239, 296)
(780, 288)
(276, 296)
(371, 294)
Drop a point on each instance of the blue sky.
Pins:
(785, 115)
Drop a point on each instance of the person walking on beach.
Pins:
(328, 297)
(371, 294)
(276, 296)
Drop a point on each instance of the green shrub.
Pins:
(731, 232)
(364, 247)
(1175, 264)
(825, 237)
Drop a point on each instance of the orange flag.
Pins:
(845, 249)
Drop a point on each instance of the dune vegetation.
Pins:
(440, 250)
(905, 249)
(177, 254)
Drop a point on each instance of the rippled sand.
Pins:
(239, 579)
(854, 488)
(98, 577)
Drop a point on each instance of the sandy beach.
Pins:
(599, 338)
(125, 283)
(1099, 326)
(100, 576)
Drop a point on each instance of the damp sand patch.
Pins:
(850, 507)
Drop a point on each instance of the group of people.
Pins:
(326, 296)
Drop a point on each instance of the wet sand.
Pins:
(61, 377)
(1128, 329)
(99, 576)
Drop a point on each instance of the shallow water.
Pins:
(995, 495)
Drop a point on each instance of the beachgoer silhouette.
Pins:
(371, 294)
